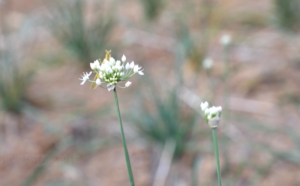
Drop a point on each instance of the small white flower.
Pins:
(85, 77)
(140, 72)
(102, 68)
(204, 106)
(95, 64)
(207, 111)
(107, 69)
(110, 87)
(128, 83)
(105, 61)
(132, 64)
(207, 63)
(118, 63)
(98, 81)
(225, 39)
(136, 69)
(220, 108)
(123, 58)
(92, 66)
(112, 60)
(213, 110)
(127, 66)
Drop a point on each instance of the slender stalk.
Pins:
(227, 115)
(215, 141)
(124, 141)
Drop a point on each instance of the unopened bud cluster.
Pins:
(212, 115)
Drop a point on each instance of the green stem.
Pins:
(124, 141)
(215, 141)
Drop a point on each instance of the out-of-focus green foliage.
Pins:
(152, 8)
(69, 24)
(13, 83)
(195, 52)
(288, 14)
(161, 119)
(196, 42)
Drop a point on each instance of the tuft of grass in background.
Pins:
(195, 52)
(288, 14)
(196, 42)
(69, 24)
(14, 78)
(152, 8)
(161, 119)
(13, 85)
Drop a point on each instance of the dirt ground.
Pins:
(263, 86)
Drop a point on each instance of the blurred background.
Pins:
(54, 132)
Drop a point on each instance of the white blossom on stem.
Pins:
(225, 40)
(127, 84)
(212, 115)
(207, 63)
(123, 58)
(111, 71)
(85, 77)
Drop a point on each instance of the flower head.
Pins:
(111, 71)
(85, 77)
(212, 115)
(225, 40)
(207, 63)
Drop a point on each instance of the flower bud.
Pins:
(225, 40)
(127, 66)
(207, 63)
(128, 83)
(123, 58)
(98, 81)
(212, 115)
(132, 64)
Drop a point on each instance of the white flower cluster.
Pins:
(225, 40)
(212, 115)
(207, 63)
(111, 72)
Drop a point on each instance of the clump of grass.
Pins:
(166, 119)
(195, 52)
(288, 14)
(14, 78)
(69, 25)
(152, 8)
(196, 42)
(13, 85)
